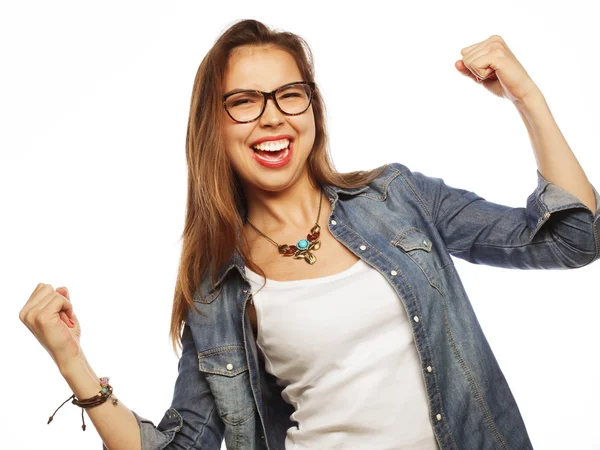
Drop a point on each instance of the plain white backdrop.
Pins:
(94, 100)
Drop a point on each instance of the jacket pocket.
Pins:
(417, 245)
(226, 372)
(205, 293)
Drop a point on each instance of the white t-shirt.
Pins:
(343, 351)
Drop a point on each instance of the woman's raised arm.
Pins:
(555, 230)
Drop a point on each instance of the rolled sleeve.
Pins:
(153, 437)
(549, 198)
(555, 230)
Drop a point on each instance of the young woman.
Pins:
(323, 310)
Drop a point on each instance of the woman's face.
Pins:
(266, 69)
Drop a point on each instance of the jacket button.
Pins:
(229, 366)
(393, 272)
(438, 417)
(333, 222)
(362, 247)
(416, 318)
(429, 369)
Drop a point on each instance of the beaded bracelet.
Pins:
(103, 395)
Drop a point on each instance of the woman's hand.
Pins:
(492, 64)
(48, 316)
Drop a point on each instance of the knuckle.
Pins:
(42, 291)
(37, 320)
(62, 298)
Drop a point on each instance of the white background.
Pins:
(93, 107)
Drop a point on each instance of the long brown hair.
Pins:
(216, 205)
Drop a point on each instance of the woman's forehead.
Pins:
(262, 68)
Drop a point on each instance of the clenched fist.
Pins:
(49, 316)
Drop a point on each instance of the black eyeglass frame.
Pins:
(267, 96)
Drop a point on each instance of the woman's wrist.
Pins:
(81, 378)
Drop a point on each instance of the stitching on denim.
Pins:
(370, 246)
(594, 227)
(262, 424)
(416, 194)
(213, 351)
(431, 281)
(216, 351)
(242, 420)
(542, 209)
(596, 242)
(211, 295)
(212, 410)
(384, 187)
(236, 443)
(416, 309)
(596, 239)
(229, 373)
(408, 253)
(472, 382)
(436, 381)
(395, 243)
(426, 338)
(178, 416)
(400, 235)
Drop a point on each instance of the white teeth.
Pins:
(272, 146)
(282, 157)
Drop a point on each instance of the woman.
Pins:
(362, 335)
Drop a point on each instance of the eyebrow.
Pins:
(238, 90)
(242, 90)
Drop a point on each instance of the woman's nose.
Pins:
(271, 116)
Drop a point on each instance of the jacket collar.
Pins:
(378, 186)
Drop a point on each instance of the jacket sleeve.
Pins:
(192, 421)
(553, 231)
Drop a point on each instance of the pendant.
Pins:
(304, 247)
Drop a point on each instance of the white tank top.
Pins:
(343, 351)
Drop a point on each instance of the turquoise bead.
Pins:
(302, 244)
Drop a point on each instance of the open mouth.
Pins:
(272, 151)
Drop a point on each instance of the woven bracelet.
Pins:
(103, 395)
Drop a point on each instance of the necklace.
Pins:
(304, 247)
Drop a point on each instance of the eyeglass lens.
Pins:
(245, 106)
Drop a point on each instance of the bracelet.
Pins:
(103, 395)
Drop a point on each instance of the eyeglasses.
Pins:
(291, 99)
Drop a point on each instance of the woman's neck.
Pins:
(294, 208)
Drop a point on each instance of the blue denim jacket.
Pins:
(411, 225)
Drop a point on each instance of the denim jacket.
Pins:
(407, 226)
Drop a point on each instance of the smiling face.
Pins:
(266, 69)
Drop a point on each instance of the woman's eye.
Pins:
(241, 102)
